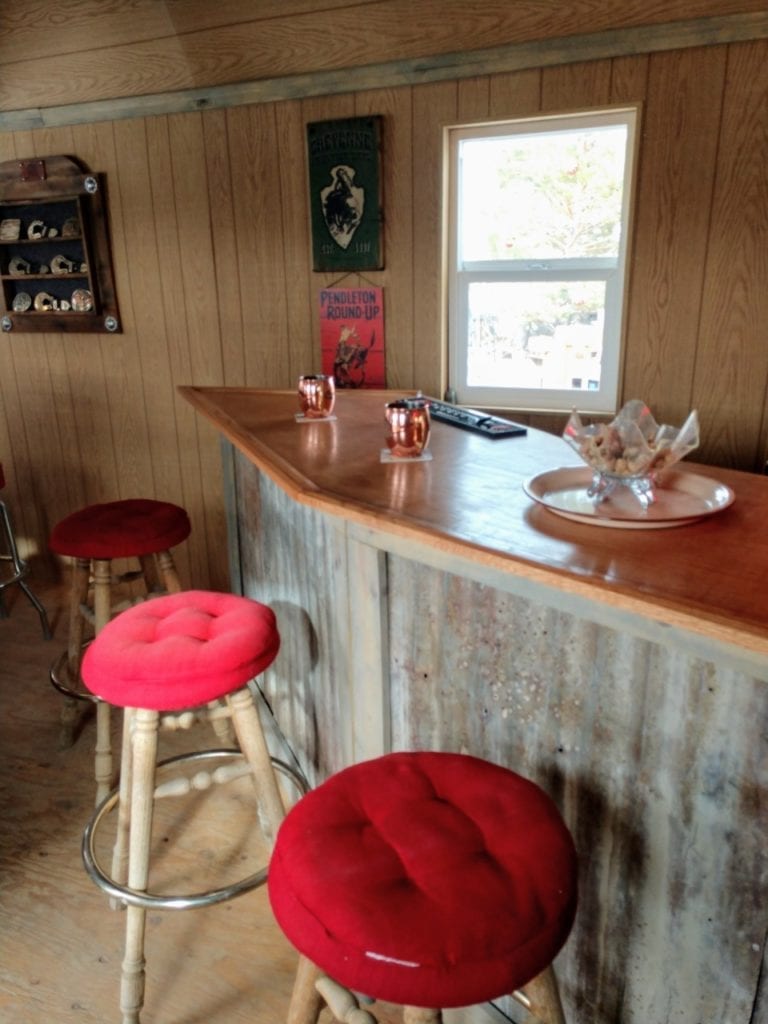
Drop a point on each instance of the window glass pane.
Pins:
(536, 334)
(552, 194)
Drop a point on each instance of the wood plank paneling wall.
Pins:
(100, 49)
(210, 230)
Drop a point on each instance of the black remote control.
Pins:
(472, 419)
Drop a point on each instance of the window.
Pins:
(539, 218)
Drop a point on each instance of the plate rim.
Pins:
(637, 521)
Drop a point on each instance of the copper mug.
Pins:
(409, 425)
(317, 395)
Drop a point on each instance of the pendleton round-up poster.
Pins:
(352, 335)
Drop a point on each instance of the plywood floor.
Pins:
(60, 944)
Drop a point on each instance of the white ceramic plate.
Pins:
(683, 498)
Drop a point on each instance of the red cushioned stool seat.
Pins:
(181, 651)
(94, 537)
(191, 654)
(425, 879)
(121, 529)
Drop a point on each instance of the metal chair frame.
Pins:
(20, 570)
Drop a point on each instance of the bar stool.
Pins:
(95, 536)
(19, 567)
(188, 653)
(429, 880)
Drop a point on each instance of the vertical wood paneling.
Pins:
(516, 94)
(224, 212)
(433, 107)
(394, 105)
(125, 386)
(212, 254)
(732, 352)
(297, 246)
(170, 322)
(190, 189)
(629, 79)
(473, 99)
(576, 86)
(674, 194)
(259, 249)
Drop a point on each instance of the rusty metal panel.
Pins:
(657, 759)
(294, 559)
(656, 755)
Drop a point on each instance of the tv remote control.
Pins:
(472, 419)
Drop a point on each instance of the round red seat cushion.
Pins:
(180, 651)
(425, 879)
(121, 529)
(2, 477)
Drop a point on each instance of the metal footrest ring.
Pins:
(160, 901)
(59, 671)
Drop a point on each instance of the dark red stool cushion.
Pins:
(121, 529)
(2, 477)
(180, 651)
(425, 879)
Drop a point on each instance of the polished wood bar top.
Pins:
(709, 577)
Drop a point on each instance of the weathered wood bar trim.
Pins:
(619, 616)
(543, 53)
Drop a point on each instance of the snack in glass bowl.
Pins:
(631, 450)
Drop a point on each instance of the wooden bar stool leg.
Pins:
(306, 1002)
(150, 574)
(250, 736)
(419, 1015)
(168, 572)
(144, 744)
(541, 997)
(222, 722)
(81, 573)
(122, 834)
(102, 609)
(342, 1003)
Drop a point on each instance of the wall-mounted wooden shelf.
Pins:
(55, 261)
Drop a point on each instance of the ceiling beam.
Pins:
(451, 66)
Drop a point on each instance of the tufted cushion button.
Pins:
(426, 879)
(121, 529)
(181, 651)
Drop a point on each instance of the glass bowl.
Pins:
(630, 451)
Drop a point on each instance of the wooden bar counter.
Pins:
(435, 605)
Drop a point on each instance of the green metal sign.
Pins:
(344, 187)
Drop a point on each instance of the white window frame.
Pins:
(613, 271)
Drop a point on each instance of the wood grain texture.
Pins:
(674, 192)
(148, 47)
(731, 369)
(212, 257)
(434, 106)
(470, 500)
